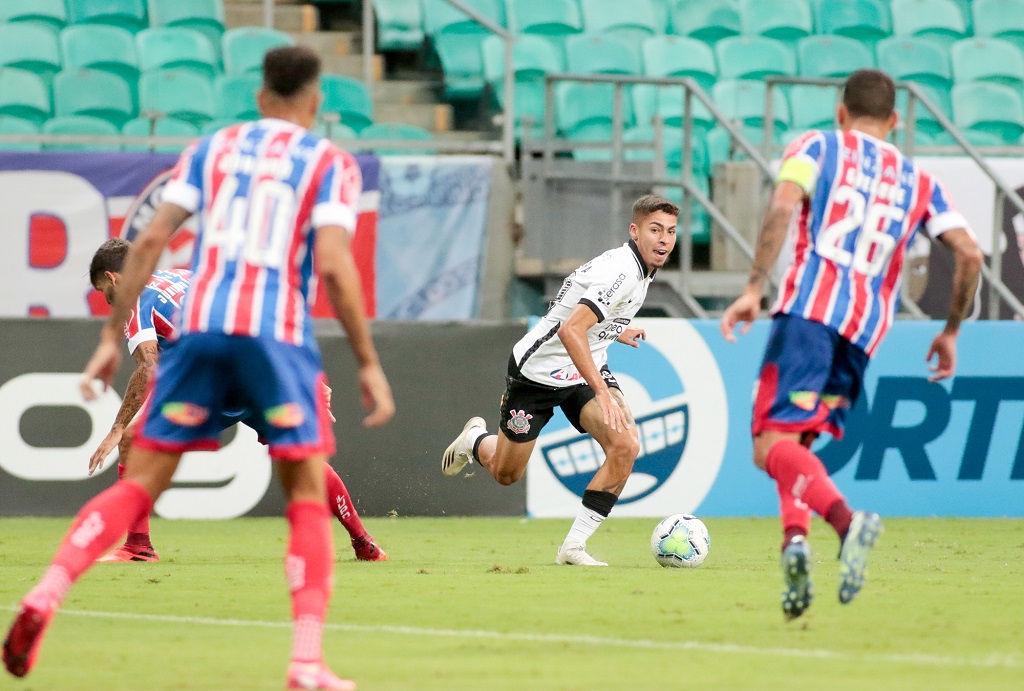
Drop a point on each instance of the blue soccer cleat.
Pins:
(853, 557)
(796, 569)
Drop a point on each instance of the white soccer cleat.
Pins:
(459, 453)
(576, 556)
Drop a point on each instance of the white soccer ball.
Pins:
(682, 541)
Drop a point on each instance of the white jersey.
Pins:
(614, 286)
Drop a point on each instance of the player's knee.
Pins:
(624, 448)
(508, 476)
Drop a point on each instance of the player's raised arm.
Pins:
(968, 258)
(786, 197)
(340, 280)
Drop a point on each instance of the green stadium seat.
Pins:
(94, 93)
(867, 21)
(460, 55)
(1000, 19)
(204, 16)
(705, 20)
(677, 56)
(554, 19)
(965, 7)
(30, 47)
(165, 127)
(532, 58)
(9, 125)
(987, 60)
(719, 144)
(106, 48)
(335, 132)
(832, 56)
(936, 20)
(924, 120)
(51, 14)
(667, 101)
(631, 21)
(349, 99)
(80, 124)
(743, 100)
(597, 54)
(700, 225)
(671, 146)
(441, 17)
(243, 49)
(177, 94)
(398, 132)
(126, 14)
(783, 20)
(23, 95)
(582, 109)
(173, 48)
(915, 59)
(236, 96)
(813, 107)
(976, 137)
(399, 24)
(992, 108)
(753, 57)
(218, 124)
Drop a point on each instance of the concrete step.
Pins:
(286, 17)
(436, 117)
(329, 42)
(404, 91)
(352, 65)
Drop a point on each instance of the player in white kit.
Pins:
(562, 362)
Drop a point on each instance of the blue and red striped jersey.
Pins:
(865, 200)
(260, 190)
(156, 316)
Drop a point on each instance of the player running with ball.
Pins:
(272, 199)
(151, 326)
(562, 362)
(853, 202)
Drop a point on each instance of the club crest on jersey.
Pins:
(286, 415)
(804, 400)
(520, 421)
(185, 414)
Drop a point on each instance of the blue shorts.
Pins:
(810, 378)
(208, 381)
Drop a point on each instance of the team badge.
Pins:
(520, 421)
(805, 400)
(185, 414)
(285, 416)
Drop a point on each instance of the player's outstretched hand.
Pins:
(105, 448)
(326, 391)
(632, 336)
(376, 393)
(614, 416)
(745, 309)
(943, 346)
(103, 365)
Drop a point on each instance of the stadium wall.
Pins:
(913, 448)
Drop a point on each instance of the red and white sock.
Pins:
(804, 486)
(340, 503)
(138, 532)
(309, 567)
(96, 528)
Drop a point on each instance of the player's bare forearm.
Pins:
(573, 335)
(770, 238)
(968, 258)
(147, 356)
(142, 259)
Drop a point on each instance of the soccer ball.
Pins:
(681, 541)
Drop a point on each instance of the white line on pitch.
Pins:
(995, 660)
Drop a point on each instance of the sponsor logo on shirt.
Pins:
(566, 374)
(605, 298)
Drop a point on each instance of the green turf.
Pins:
(478, 604)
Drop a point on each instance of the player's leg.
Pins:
(96, 528)
(340, 503)
(138, 545)
(621, 448)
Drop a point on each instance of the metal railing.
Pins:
(992, 274)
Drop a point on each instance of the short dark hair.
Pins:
(289, 69)
(109, 257)
(649, 203)
(870, 94)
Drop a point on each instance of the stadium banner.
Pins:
(60, 206)
(432, 235)
(48, 433)
(912, 448)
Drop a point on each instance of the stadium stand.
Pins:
(631, 21)
(936, 20)
(706, 20)
(678, 56)
(30, 47)
(178, 94)
(51, 14)
(987, 60)
(600, 54)
(533, 57)
(203, 16)
(742, 100)
(169, 47)
(994, 109)
(126, 14)
(10, 125)
(164, 127)
(399, 24)
(106, 48)
(753, 57)
(999, 19)
(80, 124)
(349, 99)
(94, 93)
(554, 19)
(23, 95)
(243, 49)
(832, 56)
(784, 20)
(812, 107)
(667, 102)
(867, 21)
(236, 96)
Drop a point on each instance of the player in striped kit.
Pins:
(853, 202)
(271, 197)
(150, 328)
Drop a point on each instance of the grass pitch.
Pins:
(479, 604)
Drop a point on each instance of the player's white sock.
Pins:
(586, 524)
(472, 438)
